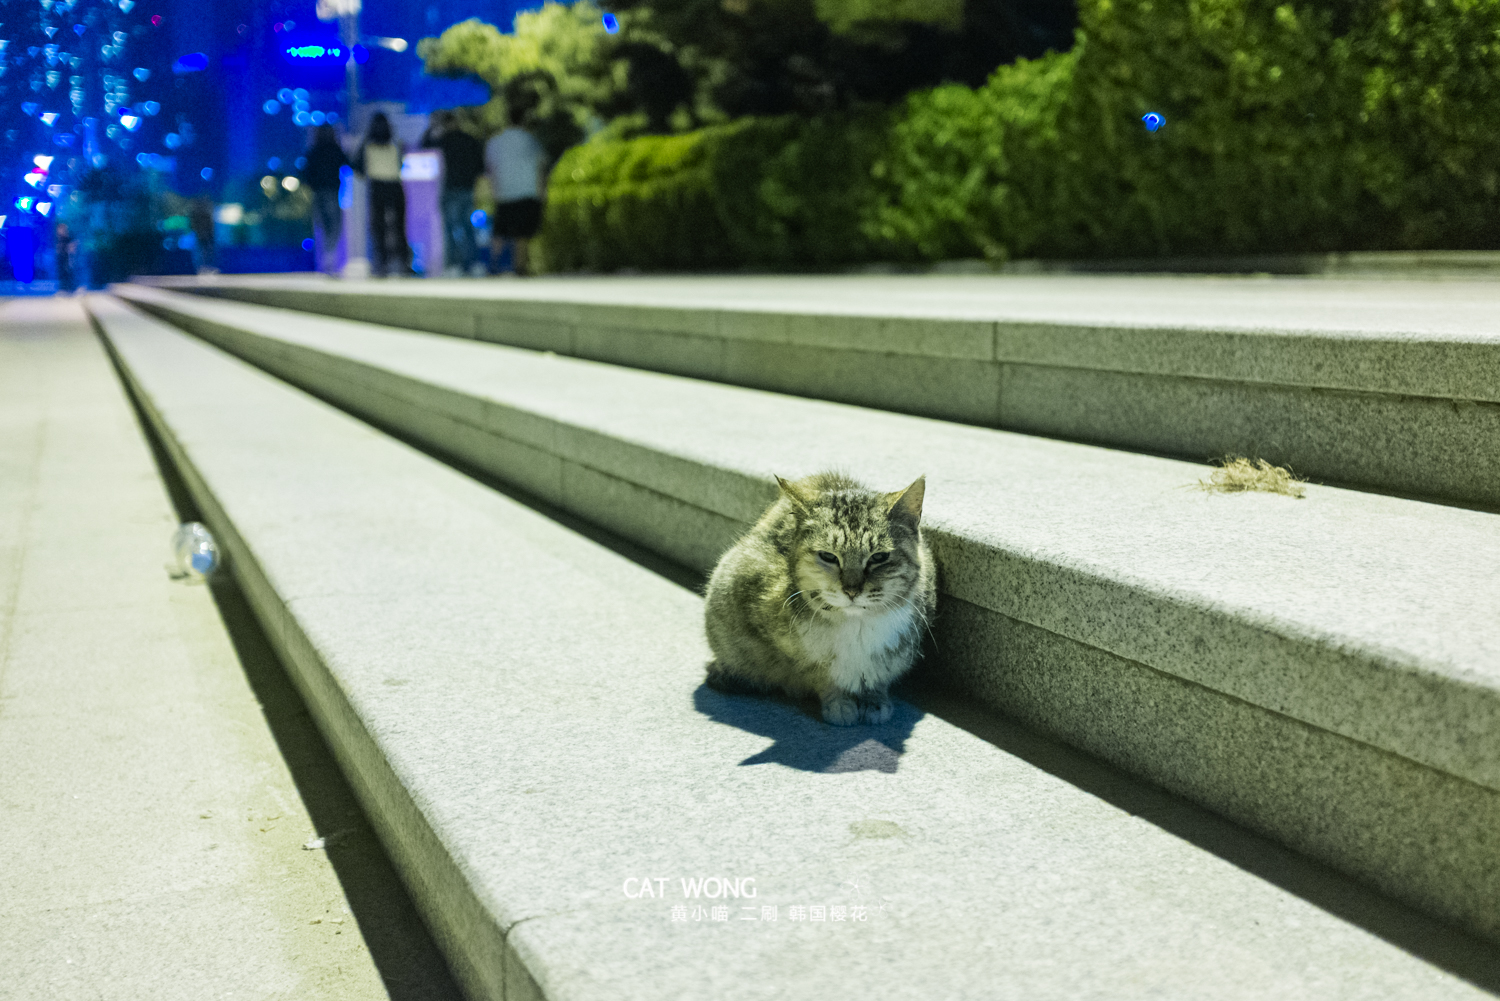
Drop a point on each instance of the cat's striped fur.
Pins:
(827, 595)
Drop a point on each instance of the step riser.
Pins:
(1352, 423)
(1357, 807)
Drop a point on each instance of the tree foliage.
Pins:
(572, 78)
(819, 56)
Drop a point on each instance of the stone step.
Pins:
(1384, 385)
(159, 777)
(1325, 670)
(521, 711)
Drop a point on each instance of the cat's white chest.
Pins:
(858, 649)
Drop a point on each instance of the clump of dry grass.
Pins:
(1238, 474)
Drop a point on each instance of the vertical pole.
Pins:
(356, 223)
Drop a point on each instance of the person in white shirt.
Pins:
(515, 160)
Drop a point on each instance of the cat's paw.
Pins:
(875, 709)
(840, 710)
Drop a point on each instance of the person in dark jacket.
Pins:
(463, 162)
(325, 160)
(379, 159)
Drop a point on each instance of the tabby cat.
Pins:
(827, 595)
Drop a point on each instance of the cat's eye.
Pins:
(879, 558)
(827, 557)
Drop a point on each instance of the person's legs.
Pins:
(453, 221)
(330, 222)
(497, 249)
(528, 221)
(380, 224)
(463, 210)
(402, 250)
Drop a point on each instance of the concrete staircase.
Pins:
(1390, 386)
(520, 710)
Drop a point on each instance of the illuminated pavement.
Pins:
(160, 776)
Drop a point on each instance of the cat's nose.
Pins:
(853, 592)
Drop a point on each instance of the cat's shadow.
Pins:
(803, 741)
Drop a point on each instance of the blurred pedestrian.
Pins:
(379, 159)
(64, 246)
(515, 161)
(463, 162)
(323, 175)
(201, 222)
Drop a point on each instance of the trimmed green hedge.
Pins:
(1291, 127)
(774, 192)
(1286, 130)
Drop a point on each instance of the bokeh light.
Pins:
(193, 62)
(308, 244)
(611, 23)
(1153, 120)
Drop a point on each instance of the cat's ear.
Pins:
(799, 497)
(906, 505)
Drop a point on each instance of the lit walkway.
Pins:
(160, 776)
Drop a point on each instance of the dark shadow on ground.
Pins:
(803, 741)
(400, 945)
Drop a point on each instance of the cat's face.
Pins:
(857, 550)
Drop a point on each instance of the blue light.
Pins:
(333, 118)
(302, 118)
(284, 95)
(300, 94)
(207, 173)
(611, 23)
(1153, 121)
(318, 118)
(360, 54)
(274, 163)
(142, 74)
(190, 63)
(172, 140)
(271, 107)
(150, 107)
(308, 244)
(478, 219)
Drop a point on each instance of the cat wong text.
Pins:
(702, 886)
